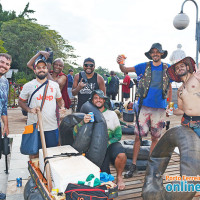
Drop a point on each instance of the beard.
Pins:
(42, 76)
(183, 74)
(91, 71)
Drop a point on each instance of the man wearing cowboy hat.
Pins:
(189, 92)
(152, 90)
(115, 151)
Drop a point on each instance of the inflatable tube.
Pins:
(66, 127)
(141, 164)
(128, 130)
(35, 195)
(99, 137)
(144, 150)
(28, 188)
(188, 144)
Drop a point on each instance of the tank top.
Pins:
(84, 93)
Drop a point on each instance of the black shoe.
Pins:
(130, 172)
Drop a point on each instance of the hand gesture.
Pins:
(81, 84)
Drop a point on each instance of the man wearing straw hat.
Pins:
(152, 90)
(188, 94)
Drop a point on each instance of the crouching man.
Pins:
(115, 152)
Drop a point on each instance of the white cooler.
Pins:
(66, 170)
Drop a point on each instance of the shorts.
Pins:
(151, 119)
(126, 95)
(51, 138)
(192, 122)
(111, 154)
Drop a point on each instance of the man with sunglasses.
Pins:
(152, 91)
(87, 81)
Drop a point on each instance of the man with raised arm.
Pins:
(152, 91)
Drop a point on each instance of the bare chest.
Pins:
(190, 89)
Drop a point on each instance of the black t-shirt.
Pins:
(84, 93)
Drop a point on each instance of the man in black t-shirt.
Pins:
(87, 81)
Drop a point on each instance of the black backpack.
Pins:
(76, 191)
(131, 84)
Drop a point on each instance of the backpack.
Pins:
(131, 84)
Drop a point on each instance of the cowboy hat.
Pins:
(157, 46)
(171, 70)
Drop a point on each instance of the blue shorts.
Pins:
(51, 138)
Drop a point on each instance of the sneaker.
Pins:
(2, 196)
(130, 172)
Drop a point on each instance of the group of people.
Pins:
(153, 89)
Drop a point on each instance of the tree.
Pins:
(10, 15)
(24, 38)
(2, 49)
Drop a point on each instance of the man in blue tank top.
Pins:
(153, 88)
(83, 86)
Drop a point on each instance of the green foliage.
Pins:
(10, 15)
(23, 38)
(22, 78)
(2, 49)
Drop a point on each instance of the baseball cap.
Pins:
(89, 60)
(39, 61)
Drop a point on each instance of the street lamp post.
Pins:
(181, 21)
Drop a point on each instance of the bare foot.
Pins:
(120, 183)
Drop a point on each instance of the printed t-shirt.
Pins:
(49, 108)
(4, 87)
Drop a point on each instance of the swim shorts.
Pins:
(150, 119)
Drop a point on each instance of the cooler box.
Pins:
(66, 170)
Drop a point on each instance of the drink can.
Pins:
(19, 182)
(122, 62)
(92, 116)
(171, 108)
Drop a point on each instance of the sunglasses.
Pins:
(89, 65)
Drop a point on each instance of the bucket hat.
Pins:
(157, 46)
(171, 70)
(100, 93)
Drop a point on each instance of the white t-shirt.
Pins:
(49, 108)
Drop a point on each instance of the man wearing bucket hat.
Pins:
(115, 151)
(188, 93)
(152, 91)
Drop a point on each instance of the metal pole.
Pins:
(197, 35)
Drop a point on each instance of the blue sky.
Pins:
(103, 29)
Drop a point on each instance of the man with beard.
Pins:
(83, 86)
(55, 75)
(152, 90)
(53, 96)
(115, 151)
(5, 62)
(188, 93)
